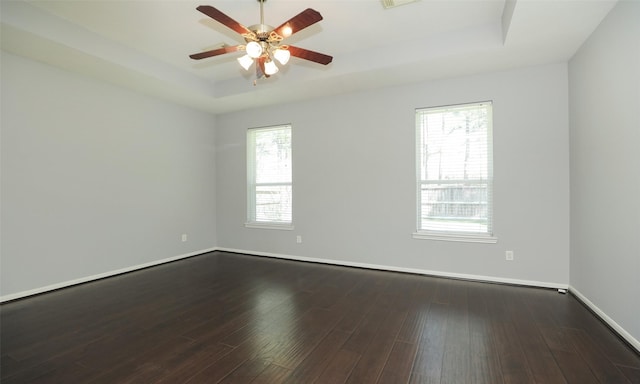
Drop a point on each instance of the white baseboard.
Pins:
(81, 280)
(464, 276)
(616, 327)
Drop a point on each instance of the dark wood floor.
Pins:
(232, 318)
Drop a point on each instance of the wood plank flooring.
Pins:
(230, 318)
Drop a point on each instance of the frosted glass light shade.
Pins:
(282, 55)
(270, 68)
(245, 61)
(287, 31)
(254, 50)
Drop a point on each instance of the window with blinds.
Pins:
(269, 176)
(455, 172)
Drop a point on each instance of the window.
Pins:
(454, 172)
(269, 179)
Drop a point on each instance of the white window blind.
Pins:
(455, 170)
(269, 176)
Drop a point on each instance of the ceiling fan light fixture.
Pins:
(245, 61)
(287, 31)
(254, 49)
(270, 68)
(263, 42)
(282, 55)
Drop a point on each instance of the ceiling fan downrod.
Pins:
(261, 11)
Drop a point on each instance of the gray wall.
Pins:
(604, 89)
(354, 178)
(96, 178)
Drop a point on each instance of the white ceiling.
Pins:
(144, 45)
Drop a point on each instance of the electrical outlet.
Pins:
(298, 239)
(184, 237)
(509, 255)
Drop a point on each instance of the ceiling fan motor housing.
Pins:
(262, 31)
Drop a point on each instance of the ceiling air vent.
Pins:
(396, 3)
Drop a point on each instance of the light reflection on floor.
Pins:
(273, 321)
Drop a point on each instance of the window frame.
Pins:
(453, 235)
(252, 184)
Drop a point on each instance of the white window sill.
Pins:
(455, 237)
(278, 226)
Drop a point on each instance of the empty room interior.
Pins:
(391, 192)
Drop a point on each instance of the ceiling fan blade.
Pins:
(306, 54)
(215, 52)
(299, 22)
(223, 19)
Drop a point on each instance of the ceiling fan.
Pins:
(263, 42)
